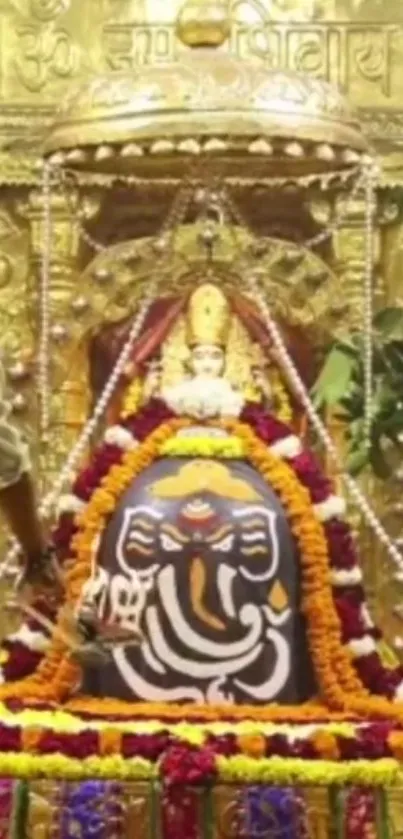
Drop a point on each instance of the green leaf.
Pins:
(335, 377)
(379, 464)
(393, 356)
(357, 460)
(389, 323)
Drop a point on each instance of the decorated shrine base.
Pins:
(70, 773)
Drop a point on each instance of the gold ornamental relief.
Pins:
(300, 287)
(50, 45)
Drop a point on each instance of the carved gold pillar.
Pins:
(68, 364)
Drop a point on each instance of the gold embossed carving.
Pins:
(136, 811)
(43, 56)
(349, 55)
(128, 46)
(226, 809)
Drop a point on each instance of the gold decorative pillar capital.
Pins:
(349, 254)
(67, 361)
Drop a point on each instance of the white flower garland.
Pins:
(69, 503)
(333, 507)
(398, 694)
(118, 436)
(346, 576)
(204, 398)
(288, 448)
(360, 647)
(32, 639)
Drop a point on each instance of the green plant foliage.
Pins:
(340, 386)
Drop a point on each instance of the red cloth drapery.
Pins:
(106, 346)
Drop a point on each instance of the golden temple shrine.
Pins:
(201, 419)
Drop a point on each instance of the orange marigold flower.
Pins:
(30, 738)
(253, 745)
(110, 741)
(326, 745)
(395, 743)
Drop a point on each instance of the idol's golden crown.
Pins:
(209, 317)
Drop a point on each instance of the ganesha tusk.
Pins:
(197, 590)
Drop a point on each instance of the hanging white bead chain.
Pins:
(370, 181)
(322, 432)
(90, 427)
(44, 303)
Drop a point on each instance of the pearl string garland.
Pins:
(44, 303)
(90, 427)
(371, 177)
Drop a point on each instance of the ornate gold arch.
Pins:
(300, 287)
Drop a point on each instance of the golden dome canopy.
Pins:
(208, 102)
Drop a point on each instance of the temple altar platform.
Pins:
(164, 772)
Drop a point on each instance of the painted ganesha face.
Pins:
(212, 550)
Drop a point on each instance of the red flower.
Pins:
(21, 661)
(303, 749)
(266, 426)
(377, 678)
(147, 746)
(369, 744)
(183, 764)
(342, 550)
(10, 739)
(90, 478)
(223, 744)
(310, 473)
(278, 745)
(79, 746)
(148, 419)
(352, 625)
(62, 535)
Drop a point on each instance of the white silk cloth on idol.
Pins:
(14, 458)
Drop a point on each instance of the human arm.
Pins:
(18, 499)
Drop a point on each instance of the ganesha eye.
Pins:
(225, 544)
(169, 544)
